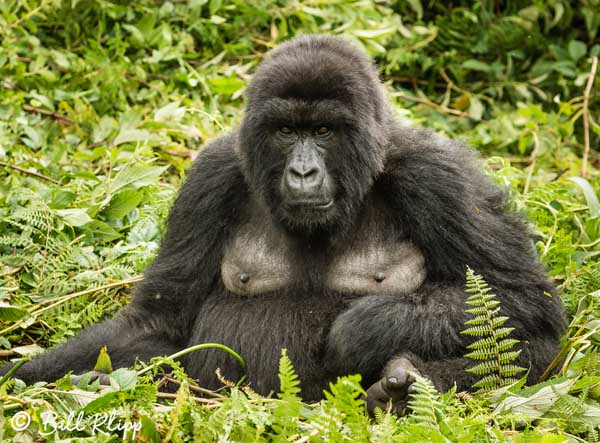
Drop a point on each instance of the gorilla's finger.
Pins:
(377, 393)
(397, 379)
(372, 405)
(377, 398)
(399, 374)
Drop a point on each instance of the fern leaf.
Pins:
(506, 357)
(288, 379)
(493, 349)
(425, 402)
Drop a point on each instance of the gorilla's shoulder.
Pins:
(218, 161)
(221, 150)
(426, 145)
(430, 161)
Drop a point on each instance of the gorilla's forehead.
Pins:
(299, 111)
(317, 74)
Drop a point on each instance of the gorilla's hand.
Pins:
(394, 386)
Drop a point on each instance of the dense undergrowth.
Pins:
(104, 103)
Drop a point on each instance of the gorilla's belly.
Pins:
(258, 328)
(259, 264)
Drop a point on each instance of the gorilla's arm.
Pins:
(159, 319)
(124, 335)
(458, 218)
(455, 214)
(425, 329)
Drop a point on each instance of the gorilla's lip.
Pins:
(311, 204)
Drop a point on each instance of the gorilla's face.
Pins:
(314, 134)
(306, 187)
(312, 166)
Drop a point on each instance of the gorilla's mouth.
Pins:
(319, 205)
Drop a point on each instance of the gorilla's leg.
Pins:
(377, 335)
(125, 337)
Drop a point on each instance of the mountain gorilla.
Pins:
(323, 226)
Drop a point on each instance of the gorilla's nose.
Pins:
(304, 180)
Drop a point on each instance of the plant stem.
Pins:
(28, 172)
(586, 116)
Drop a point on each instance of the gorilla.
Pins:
(324, 226)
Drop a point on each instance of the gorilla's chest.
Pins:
(260, 260)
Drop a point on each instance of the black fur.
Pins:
(391, 182)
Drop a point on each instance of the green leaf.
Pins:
(227, 86)
(476, 108)
(100, 231)
(62, 199)
(170, 113)
(217, 19)
(74, 217)
(123, 203)
(148, 432)
(128, 135)
(536, 404)
(10, 313)
(28, 350)
(590, 195)
(417, 7)
(136, 177)
(123, 379)
(115, 399)
(373, 33)
(476, 65)
(136, 35)
(577, 49)
(103, 364)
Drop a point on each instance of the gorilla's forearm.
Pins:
(124, 339)
(375, 329)
(425, 326)
(536, 355)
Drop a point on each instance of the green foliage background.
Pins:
(104, 103)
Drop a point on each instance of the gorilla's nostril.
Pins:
(311, 173)
(296, 173)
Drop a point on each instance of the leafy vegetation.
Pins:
(494, 347)
(103, 104)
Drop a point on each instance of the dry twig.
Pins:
(28, 172)
(53, 114)
(208, 401)
(439, 108)
(202, 391)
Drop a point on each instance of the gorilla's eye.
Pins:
(323, 130)
(285, 130)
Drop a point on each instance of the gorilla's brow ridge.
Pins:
(300, 112)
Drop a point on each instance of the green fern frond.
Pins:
(478, 331)
(484, 368)
(593, 435)
(487, 383)
(507, 357)
(288, 379)
(425, 402)
(493, 349)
